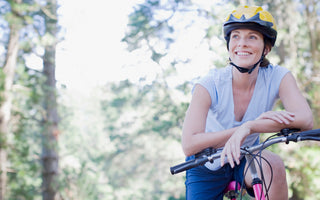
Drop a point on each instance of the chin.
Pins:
(243, 65)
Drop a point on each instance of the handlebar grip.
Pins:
(313, 133)
(305, 135)
(188, 165)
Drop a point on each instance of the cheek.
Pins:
(231, 44)
(231, 47)
(259, 48)
(263, 51)
(262, 47)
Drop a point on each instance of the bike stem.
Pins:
(256, 181)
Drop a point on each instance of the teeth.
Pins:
(242, 53)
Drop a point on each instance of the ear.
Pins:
(267, 49)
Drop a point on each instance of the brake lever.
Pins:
(287, 131)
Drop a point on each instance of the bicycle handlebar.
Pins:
(188, 165)
(286, 135)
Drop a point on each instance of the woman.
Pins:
(232, 105)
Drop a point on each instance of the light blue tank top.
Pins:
(218, 83)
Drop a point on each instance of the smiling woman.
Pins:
(246, 47)
(231, 106)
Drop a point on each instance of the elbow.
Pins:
(187, 150)
(188, 153)
(307, 122)
(189, 146)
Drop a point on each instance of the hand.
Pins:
(232, 146)
(278, 116)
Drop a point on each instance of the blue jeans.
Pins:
(204, 184)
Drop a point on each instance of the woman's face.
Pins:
(245, 47)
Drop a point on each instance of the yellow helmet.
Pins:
(251, 17)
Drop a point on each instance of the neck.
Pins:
(244, 81)
(250, 69)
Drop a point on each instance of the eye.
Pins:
(253, 37)
(234, 36)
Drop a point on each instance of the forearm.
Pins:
(264, 126)
(270, 126)
(294, 102)
(196, 142)
(303, 119)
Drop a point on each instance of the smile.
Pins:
(243, 53)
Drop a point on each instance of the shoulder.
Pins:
(217, 75)
(279, 69)
(274, 70)
(213, 81)
(273, 74)
(215, 78)
(289, 81)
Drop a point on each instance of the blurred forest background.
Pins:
(119, 140)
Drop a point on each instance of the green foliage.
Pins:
(151, 24)
(142, 124)
(24, 142)
(2, 84)
(302, 163)
(83, 148)
(20, 13)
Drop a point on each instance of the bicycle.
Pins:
(251, 153)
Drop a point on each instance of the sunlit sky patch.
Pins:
(92, 52)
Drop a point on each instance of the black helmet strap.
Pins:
(246, 70)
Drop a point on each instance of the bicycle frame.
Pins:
(232, 189)
(256, 181)
(285, 136)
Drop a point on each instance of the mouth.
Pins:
(243, 53)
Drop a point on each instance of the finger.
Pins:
(286, 113)
(277, 118)
(290, 113)
(286, 118)
(226, 154)
(230, 158)
(222, 157)
(236, 155)
(263, 116)
(286, 121)
(271, 115)
(290, 116)
(283, 117)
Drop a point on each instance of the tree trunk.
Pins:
(50, 158)
(6, 101)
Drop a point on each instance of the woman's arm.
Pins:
(294, 103)
(194, 138)
(295, 106)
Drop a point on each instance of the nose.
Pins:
(242, 42)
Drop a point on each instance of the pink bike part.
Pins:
(258, 193)
(232, 186)
(230, 191)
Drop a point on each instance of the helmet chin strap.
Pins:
(246, 70)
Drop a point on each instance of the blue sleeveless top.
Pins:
(218, 83)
